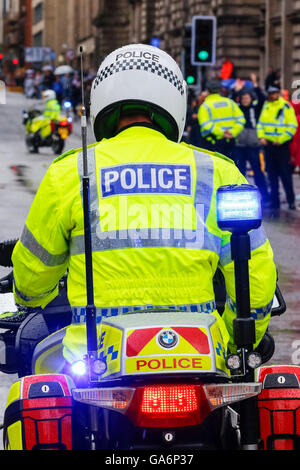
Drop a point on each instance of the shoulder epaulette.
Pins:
(220, 155)
(216, 154)
(196, 148)
(68, 152)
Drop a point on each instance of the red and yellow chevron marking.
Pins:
(142, 342)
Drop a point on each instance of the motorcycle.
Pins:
(42, 132)
(160, 379)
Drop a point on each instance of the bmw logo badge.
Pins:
(167, 339)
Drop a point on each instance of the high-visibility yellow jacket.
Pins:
(218, 114)
(154, 232)
(43, 123)
(52, 110)
(277, 121)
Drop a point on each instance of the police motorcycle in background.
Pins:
(153, 379)
(41, 132)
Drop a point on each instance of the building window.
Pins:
(38, 39)
(38, 13)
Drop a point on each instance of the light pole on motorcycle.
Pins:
(238, 212)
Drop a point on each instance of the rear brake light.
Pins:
(162, 400)
(222, 394)
(167, 406)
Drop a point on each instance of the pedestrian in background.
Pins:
(193, 128)
(48, 80)
(295, 143)
(29, 89)
(58, 88)
(276, 127)
(227, 69)
(248, 146)
(38, 81)
(220, 120)
(66, 81)
(273, 78)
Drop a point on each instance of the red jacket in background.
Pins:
(226, 70)
(295, 143)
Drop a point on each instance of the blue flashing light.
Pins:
(67, 104)
(79, 368)
(238, 207)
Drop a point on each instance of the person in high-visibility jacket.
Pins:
(276, 127)
(155, 237)
(52, 109)
(51, 112)
(220, 120)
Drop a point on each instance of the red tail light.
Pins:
(63, 123)
(168, 406)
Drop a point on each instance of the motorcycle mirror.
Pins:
(279, 305)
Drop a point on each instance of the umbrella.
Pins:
(63, 69)
(47, 67)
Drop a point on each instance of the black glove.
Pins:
(6, 249)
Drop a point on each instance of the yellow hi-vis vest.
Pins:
(154, 233)
(277, 121)
(218, 114)
(52, 110)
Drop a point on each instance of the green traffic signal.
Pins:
(190, 80)
(203, 55)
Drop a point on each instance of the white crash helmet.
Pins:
(142, 78)
(49, 95)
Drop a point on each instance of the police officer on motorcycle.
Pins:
(38, 123)
(155, 238)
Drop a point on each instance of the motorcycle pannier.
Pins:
(279, 407)
(38, 415)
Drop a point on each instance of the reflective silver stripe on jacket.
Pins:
(27, 298)
(78, 313)
(29, 241)
(257, 239)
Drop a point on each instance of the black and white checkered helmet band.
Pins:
(140, 64)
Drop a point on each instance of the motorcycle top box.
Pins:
(152, 343)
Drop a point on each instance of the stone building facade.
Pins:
(255, 34)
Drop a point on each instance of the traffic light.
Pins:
(190, 71)
(203, 51)
(15, 61)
